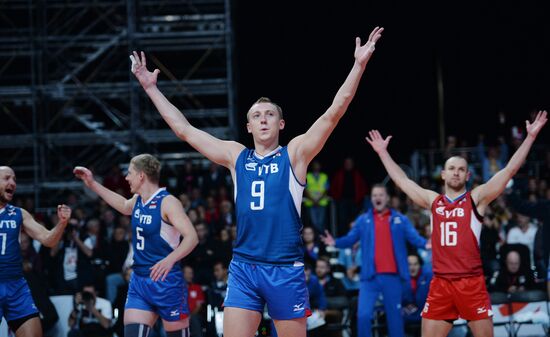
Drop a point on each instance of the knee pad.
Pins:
(179, 333)
(136, 330)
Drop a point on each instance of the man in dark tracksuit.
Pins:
(384, 233)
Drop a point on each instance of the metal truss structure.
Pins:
(67, 96)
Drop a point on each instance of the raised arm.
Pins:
(420, 196)
(115, 200)
(484, 194)
(219, 151)
(305, 147)
(48, 238)
(173, 212)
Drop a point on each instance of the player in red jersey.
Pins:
(458, 287)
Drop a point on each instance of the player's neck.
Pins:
(453, 194)
(147, 190)
(263, 149)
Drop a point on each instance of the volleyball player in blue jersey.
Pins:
(16, 303)
(267, 266)
(157, 287)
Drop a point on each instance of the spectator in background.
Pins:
(227, 216)
(195, 300)
(513, 277)
(90, 317)
(312, 247)
(494, 160)
(384, 234)
(523, 233)
(212, 215)
(317, 298)
(32, 272)
(316, 198)
(540, 210)
(416, 292)
(488, 243)
(115, 181)
(224, 247)
(116, 254)
(189, 179)
(350, 258)
(332, 286)
(218, 288)
(213, 179)
(348, 189)
(202, 258)
(120, 301)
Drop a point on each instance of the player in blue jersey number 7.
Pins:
(157, 287)
(267, 266)
(16, 303)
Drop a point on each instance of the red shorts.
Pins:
(466, 298)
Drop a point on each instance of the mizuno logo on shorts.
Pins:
(299, 307)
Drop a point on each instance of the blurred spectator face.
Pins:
(24, 242)
(211, 202)
(414, 265)
(322, 268)
(196, 193)
(523, 220)
(184, 199)
(108, 216)
(220, 272)
(119, 234)
(224, 235)
(316, 167)
(532, 185)
(188, 274)
(202, 231)
(308, 235)
(379, 198)
(124, 221)
(513, 262)
(193, 215)
(492, 152)
(233, 232)
(92, 226)
(226, 207)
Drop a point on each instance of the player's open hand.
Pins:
(364, 52)
(146, 78)
(63, 213)
(377, 142)
(161, 269)
(534, 128)
(328, 239)
(84, 174)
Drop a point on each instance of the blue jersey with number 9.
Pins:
(152, 237)
(268, 198)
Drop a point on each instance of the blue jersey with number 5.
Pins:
(268, 198)
(152, 237)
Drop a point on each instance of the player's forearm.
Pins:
(114, 200)
(394, 171)
(347, 91)
(171, 115)
(185, 247)
(55, 234)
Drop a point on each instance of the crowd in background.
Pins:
(94, 257)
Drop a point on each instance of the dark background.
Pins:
(494, 57)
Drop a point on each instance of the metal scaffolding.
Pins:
(67, 96)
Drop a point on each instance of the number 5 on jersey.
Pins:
(140, 244)
(257, 191)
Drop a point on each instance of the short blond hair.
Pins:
(267, 100)
(149, 165)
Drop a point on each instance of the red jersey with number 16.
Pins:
(456, 227)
